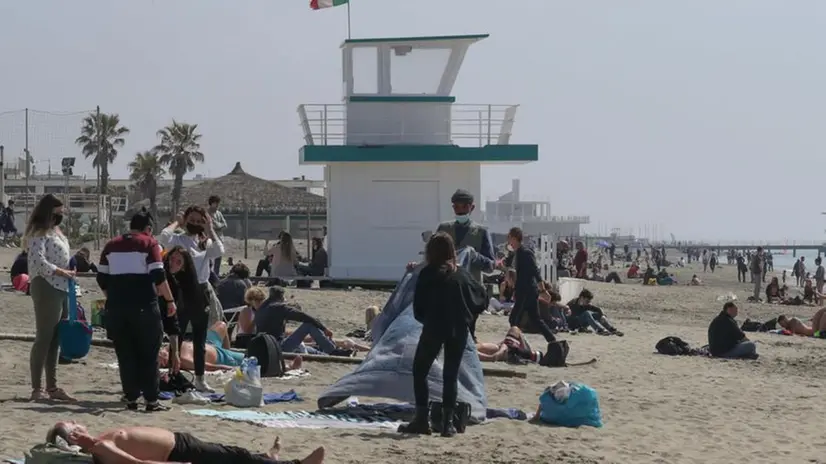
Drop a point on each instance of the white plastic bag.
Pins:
(244, 390)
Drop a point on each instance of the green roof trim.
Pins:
(324, 154)
(431, 38)
(400, 98)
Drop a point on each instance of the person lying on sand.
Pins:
(514, 347)
(153, 445)
(218, 356)
(797, 327)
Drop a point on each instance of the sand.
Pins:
(657, 409)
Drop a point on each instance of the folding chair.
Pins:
(231, 316)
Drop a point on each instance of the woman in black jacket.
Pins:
(192, 307)
(446, 301)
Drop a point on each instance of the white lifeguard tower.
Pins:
(397, 149)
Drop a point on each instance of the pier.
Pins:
(820, 247)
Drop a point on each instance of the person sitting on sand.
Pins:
(514, 348)
(774, 292)
(584, 315)
(551, 308)
(696, 280)
(797, 327)
(809, 293)
(726, 339)
(504, 303)
(272, 314)
(154, 445)
(633, 271)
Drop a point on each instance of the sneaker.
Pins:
(155, 406)
(131, 405)
(201, 385)
(38, 395)
(191, 397)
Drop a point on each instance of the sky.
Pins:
(702, 119)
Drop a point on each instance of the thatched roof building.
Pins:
(239, 191)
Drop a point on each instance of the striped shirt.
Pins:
(130, 267)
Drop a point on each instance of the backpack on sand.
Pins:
(673, 346)
(557, 354)
(51, 454)
(267, 351)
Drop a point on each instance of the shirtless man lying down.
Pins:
(797, 327)
(151, 445)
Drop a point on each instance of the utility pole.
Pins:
(2, 176)
(97, 159)
(28, 167)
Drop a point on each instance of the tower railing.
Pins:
(470, 125)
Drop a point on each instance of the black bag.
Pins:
(461, 416)
(751, 326)
(176, 383)
(673, 346)
(267, 351)
(557, 354)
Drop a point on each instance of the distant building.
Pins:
(269, 206)
(534, 217)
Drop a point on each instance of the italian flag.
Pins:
(319, 4)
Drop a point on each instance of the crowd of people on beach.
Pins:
(165, 309)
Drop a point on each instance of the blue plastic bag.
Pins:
(75, 333)
(581, 407)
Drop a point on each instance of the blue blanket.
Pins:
(387, 370)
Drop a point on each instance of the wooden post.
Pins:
(309, 238)
(246, 227)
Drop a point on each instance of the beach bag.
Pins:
(75, 333)
(673, 346)
(581, 407)
(244, 390)
(557, 354)
(51, 454)
(266, 349)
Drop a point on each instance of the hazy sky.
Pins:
(705, 117)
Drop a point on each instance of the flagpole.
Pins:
(348, 22)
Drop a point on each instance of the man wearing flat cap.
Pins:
(466, 232)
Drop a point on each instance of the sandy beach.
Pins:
(656, 409)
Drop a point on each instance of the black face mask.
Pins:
(194, 229)
(57, 219)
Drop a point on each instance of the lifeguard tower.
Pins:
(397, 148)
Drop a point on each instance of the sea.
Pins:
(786, 260)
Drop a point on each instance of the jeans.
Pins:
(558, 314)
(757, 278)
(430, 343)
(741, 274)
(587, 318)
(216, 266)
(137, 334)
(293, 342)
(744, 349)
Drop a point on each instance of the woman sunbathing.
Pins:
(797, 327)
(513, 347)
(218, 356)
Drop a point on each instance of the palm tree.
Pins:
(100, 136)
(145, 171)
(179, 150)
